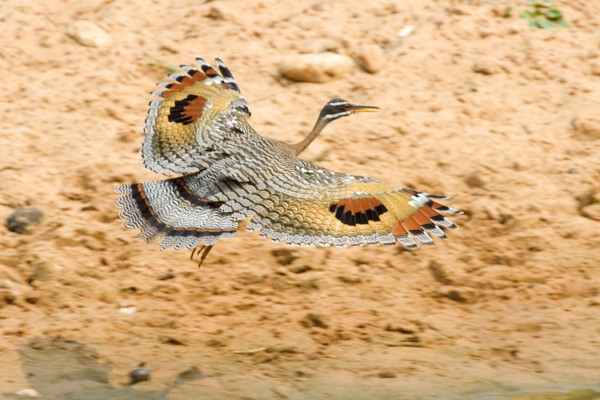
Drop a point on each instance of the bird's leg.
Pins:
(201, 249)
(207, 250)
(196, 249)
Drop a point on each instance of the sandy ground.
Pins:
(474, 104)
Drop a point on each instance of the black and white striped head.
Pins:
(337, 108)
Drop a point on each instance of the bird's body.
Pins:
(199, 129)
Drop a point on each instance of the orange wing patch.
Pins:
(179, 121)
(358, 211)
(188, 110)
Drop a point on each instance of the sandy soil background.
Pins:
(474, 104)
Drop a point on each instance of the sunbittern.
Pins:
(198, 128)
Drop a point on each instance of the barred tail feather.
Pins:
(165, 209)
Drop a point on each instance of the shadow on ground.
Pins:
(59, 368)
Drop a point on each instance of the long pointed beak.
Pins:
(357, 108)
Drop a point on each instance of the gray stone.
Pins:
(23, 219)
(139, 374)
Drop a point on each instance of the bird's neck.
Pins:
(301, 146)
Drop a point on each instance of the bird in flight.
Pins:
(197, 129)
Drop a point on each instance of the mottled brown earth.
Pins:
(474, 104)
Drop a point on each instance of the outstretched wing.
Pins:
(309, 205)
(170, 210)
(190, 116)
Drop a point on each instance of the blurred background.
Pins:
(495, 102)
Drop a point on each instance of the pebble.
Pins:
(139, 374)
(315, 68)
(27, 393)
(86, 33)
(587, 127)
(127, 310)
(486, 67)
(166, 276)
(371, 58)
(284, 256)
(304, 372)
(190, 374)
(406, 31)
(222, 13)
(475, 181)
(300, 269)
(463, 295)
(311, 320)
(21, 220)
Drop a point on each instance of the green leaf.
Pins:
(527, 14)
(553, 14)
(563, 23)
(545, 24)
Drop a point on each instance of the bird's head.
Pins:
(337, 108)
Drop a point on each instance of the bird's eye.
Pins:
(347, 107)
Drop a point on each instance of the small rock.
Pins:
(311, 320)
(459, 10)
(284, 256)
(220, 12)
(351, 280)
(27, 393)
(190, 374)
(300, 269)
(166, 276)
(304, 372)
(127, 310)
(216, 342)
(89, 34)
(139, 374)
(371, 58)
(572, 170)
(406, 31)
(386, 374)
(21, 220)
(316, 68)
(475, 181)
(486, 67)
(592, 211)
(170, 47)
(459, 294)
(587, 127)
